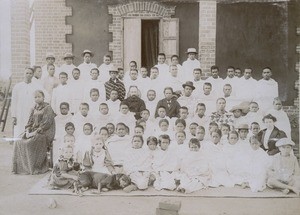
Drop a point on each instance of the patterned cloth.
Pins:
(115, 85)
(30, 155)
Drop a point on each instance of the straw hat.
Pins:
(87, 51)
(68, 55)
(191, 50)
(284, 141)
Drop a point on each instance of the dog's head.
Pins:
(120, 181)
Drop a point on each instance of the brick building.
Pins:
(241, 33)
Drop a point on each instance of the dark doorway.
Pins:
(150, 43)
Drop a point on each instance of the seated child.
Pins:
(284, 173)
(200, 133)
(94, 102)
(235, 158)
(103, 116)
(137, 164)
(194, 171)
(84, 142)
(161, 114)
(117, 145)
(113, 103)
(258, 164)
(139, 130)
(69, 129)
(111, 129)
(69, 139)
(98, 159)
(192, 130)
(165, 165)
(243, 131)
(61, 119)
(125, 116)
(200, 117)
(225, 129)
(216, 157)
(163, 128)
(238, 115)
(254, 115)
(65, 171)
(82, 117)
(104, 134)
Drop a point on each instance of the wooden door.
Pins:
(169, 37)
(132, 42)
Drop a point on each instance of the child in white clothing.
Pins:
(165, 165)
(117, 145)
(284, 173)
(113, 103)
(258, 164)
(137, 164)
(105, 67)
(84, 142)
(216, 157)
(195, 173)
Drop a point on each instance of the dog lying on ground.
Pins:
(101, 182)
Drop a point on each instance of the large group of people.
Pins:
(170, 127)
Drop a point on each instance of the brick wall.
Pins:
(207, 34)
(51, 29)
(132, 9)
(20, 39)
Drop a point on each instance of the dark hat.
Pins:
(68, 55)
(87, 51)
(189, 83)
(191, 50)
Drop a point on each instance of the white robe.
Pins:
(80, 120)
(90, 84)
(267, 91)
(77, 87)
(188, 67)
(67, 69)
(62, 93)
(60, 122)
(217, 85)
(246, 89)
(163, 70)
(117, 146)
(194, 172)
(22, 102)
(45, 71)
(113, 106)
(85, 69)
(104, 71)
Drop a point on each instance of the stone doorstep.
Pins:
(169, 205)
(165, 212)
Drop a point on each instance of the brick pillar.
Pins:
(207, 33)
(20, 38)
(51, 29)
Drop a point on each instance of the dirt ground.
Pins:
(14, 199)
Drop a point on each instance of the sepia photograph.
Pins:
(148, 107)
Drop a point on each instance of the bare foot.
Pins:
(297, 191)
(244, 185)
(104, 189)
(285, 191)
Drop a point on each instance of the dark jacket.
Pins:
(276, 134)
(172, 111)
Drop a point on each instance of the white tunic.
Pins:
(85, 69)
(62, 93)
(117, 146)
(246, 89)
(267, 91)
(188, 67)
(22, 102)
(67, 69)
(104, 71)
